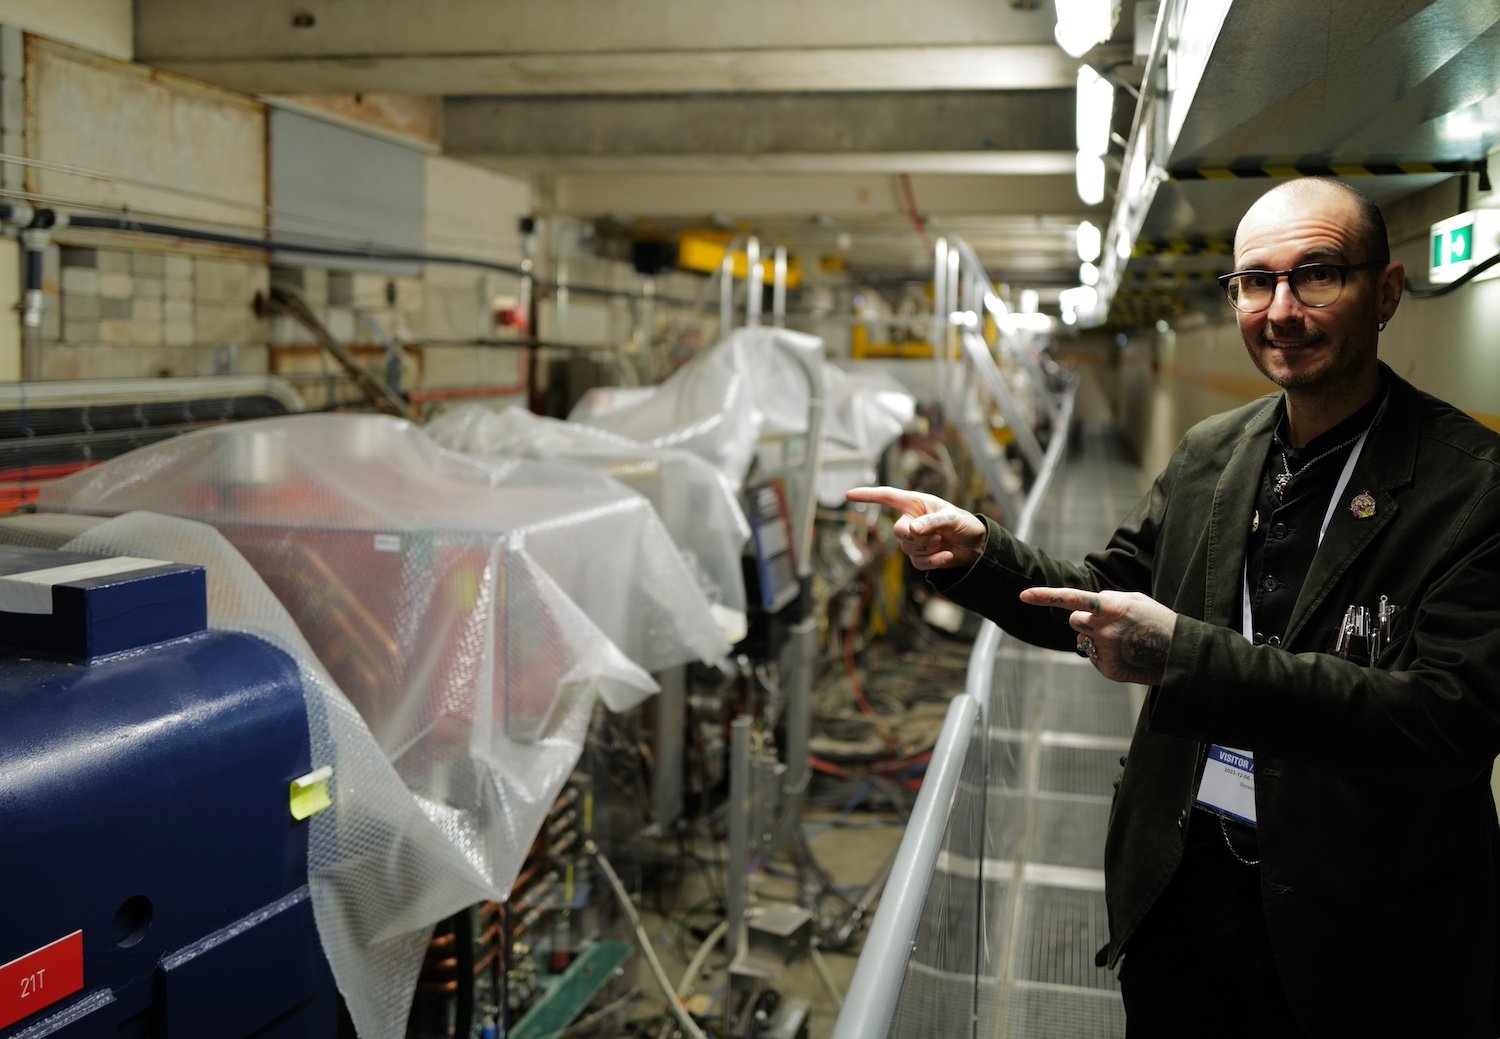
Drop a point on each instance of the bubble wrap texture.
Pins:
(696, 502)
(719, 404)
(864, 411)
(748, 387)
(453, 618)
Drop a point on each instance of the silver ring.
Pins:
(1086, 648)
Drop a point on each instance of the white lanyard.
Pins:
(1247, 628)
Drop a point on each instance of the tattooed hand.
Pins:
(1126, 634)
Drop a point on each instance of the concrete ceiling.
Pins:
(865, 129)
(821, 125)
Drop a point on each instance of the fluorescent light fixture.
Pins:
(1027, 323)
(1090, 241)
(1123, 245)
(1088, 273)
(1090, 179)
(1084, 24)
(1078, 298)
(1095, 111)
(1031, 301)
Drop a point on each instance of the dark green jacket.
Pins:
(1379, 847)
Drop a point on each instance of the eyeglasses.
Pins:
(1314, 284)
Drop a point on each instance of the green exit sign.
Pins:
(1455, 246)
(1458, 241)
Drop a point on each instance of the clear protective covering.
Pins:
(454, 618)
(695, 501)
(866, 411)
(730, 404)
(751, 384)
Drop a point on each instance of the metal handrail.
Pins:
(981, 673)
(870, 1004)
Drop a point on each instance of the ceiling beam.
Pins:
(977, 123)
(589, 46)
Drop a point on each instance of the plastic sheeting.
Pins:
(718, 405)
(753, 388)
(865, 412)
(695, 501)
(458, 615)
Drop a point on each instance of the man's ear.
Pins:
(1388, 292)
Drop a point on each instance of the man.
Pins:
(1304, 842)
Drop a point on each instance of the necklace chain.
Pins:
(1230, 845)
(1286, 476)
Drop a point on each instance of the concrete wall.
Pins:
(103, 26)
(118, 138)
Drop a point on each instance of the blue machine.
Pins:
(153, 882)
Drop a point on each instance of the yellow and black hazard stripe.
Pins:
(1183, 245)
(1252, 169)
(1133, 308)
(1163, 281)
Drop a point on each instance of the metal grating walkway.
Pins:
(1058, 730)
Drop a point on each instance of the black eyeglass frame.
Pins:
(1343, 268)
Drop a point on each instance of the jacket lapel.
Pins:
(1387, 462)
(1229, 519)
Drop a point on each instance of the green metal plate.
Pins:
(572, 992)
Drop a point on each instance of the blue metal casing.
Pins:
(144, 801)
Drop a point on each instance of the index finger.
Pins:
(908, 503)
(1062, 598)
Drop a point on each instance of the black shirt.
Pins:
(1282, 538)
(1283, 533)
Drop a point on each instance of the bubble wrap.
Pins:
(749, 388)
(719, 404)
(453, 618)
(695, 501)
(865, 411)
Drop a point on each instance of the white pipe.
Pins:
(689, 1026)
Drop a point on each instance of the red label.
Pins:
(37, 980)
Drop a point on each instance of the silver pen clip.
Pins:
(1357, 635)
(1346, 629)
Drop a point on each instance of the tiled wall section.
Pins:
(116, 312)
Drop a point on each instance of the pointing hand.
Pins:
(934, 534)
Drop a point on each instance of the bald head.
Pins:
(1320, 191)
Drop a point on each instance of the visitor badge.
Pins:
(1228, 785)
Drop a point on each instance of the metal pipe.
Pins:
(939, 316)
(754, 282)
(34, 240)
(737, 866)
(726, 293)
(778, 289)
(671, 721)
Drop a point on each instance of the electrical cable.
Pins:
(821, 966)
(1463, 279)
(690, 973)
(684, 1019)
(583, 1024)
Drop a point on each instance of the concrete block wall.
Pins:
(124, 305)
(118, 312)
